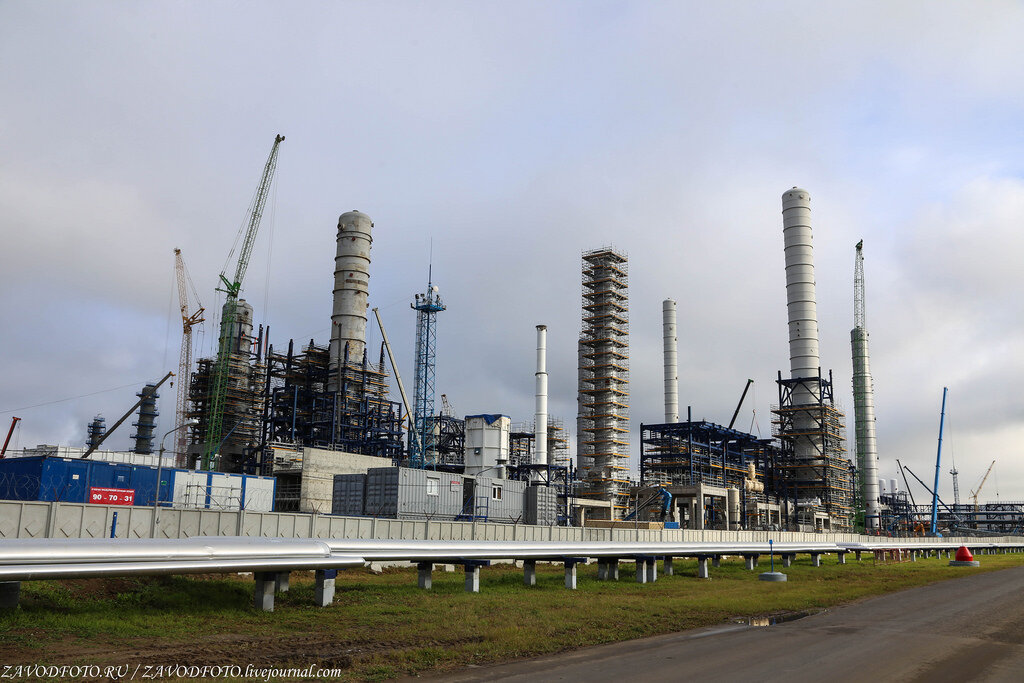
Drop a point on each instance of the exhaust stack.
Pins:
(540, 450)
(671, 354)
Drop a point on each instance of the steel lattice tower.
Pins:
(422, 451)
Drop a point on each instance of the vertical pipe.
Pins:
(540, 451)
(864, 421)
(671, 353)
(938, 461)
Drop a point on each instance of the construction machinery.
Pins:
(188, 321)
(14, 423)
(977, 491)
(231, 288)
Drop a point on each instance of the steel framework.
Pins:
(423, 451)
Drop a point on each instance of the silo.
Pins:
(351, 291)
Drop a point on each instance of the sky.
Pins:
(500, 140)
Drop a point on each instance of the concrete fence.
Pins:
(22, 519)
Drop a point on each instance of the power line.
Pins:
(72, 398)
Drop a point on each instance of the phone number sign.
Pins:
(104, 496)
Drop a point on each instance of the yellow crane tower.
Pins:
(974, 494)
(188, 321)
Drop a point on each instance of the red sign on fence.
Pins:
(111, 496)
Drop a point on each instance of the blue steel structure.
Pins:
(938, 460)
(427, 306)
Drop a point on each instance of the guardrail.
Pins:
(272, 559)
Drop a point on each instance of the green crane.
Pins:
(231, 288)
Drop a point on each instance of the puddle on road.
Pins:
(776, 619)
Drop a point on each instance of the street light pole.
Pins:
(160, 464)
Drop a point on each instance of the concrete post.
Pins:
(858, 556)
(913, 556)
(472, 578)
(749, 562)
(716, 561)
(669, 570)
(698, 506)
(423, 575)
(787, 559)
(264, 591)
(324, 593)
(10, 592)
(602, 570)
(281, 582)
(641, 571)
(652, 569)
(570, 575)
(530, 572)
(757, 560)
(815, 559)
(842, 558)
(613, 570)
(702, 568)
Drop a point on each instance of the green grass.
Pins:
(382, 626)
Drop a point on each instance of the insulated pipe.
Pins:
(804, 360)
(864, 411)
(351, 290)
(540, 450)
(671, 343)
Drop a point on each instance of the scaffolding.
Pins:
(812, 469)
(521, 443)
(603, 420)
(358, 418)
(244, 401)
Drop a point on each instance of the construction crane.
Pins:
(446, 407)
(231, 289)
(956, 484)
(974, 494)
(14, 423)
(188, 321)
(740, 404)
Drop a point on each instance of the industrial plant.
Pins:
(328, 426)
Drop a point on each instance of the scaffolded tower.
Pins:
(422, 450)
(603, 422)
(97, 428)
(816, 474)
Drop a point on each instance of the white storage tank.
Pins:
(486, 449)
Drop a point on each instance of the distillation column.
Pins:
(801, 304)
(540, 438)
(864, 398)
(671, 354)
(351, 290)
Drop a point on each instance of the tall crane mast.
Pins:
(956, 484)
(231, 289)
(188, 321)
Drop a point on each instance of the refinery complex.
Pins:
(329, 426)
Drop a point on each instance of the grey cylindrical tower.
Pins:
(351, 289)
(864, 407)
(540, 428)
(670, 351)
(801, 304)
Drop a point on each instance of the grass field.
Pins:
(383, 626)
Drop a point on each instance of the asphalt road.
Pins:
(970, 629)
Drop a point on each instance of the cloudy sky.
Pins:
(512, 136)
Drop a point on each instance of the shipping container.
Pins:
(349, 494)
(403, 493)
(499, 500)
(74, 480)
(541, 505)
